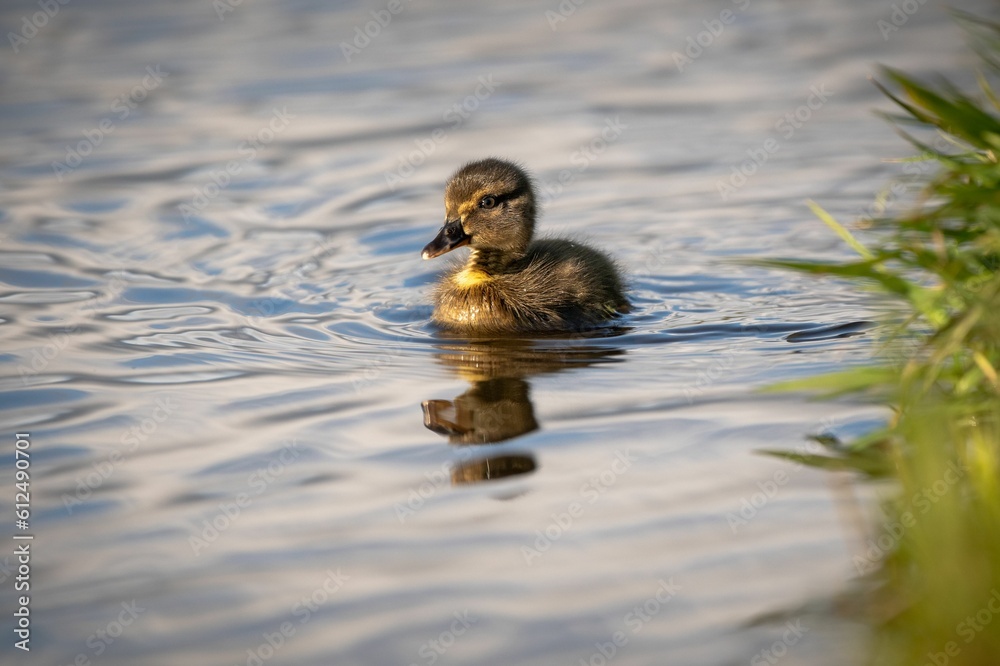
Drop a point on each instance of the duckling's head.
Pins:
(489, 206)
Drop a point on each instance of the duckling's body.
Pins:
(511, 283)
(557, 285)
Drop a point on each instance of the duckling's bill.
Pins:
(451, 236)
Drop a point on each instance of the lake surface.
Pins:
(249, 446)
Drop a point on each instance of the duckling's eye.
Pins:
(487, 202)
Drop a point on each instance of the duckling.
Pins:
(510, 282)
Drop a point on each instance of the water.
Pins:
(249, 446)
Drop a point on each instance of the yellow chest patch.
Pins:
(471, 277)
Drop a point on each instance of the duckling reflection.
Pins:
(493, 410)
(497, 406)
(491, 467)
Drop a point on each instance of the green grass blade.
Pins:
(840, 230)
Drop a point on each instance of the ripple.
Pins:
(44, 297)
(160, 314)
(832, 332)
(181, 377)
(25, 398)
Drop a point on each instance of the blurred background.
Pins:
(248, 445)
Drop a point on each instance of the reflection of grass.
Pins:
(938, 592)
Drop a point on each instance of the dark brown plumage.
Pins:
(510, 283)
